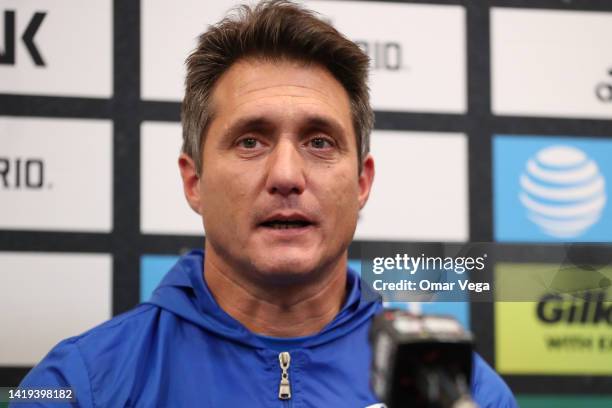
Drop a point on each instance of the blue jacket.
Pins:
(181, 350)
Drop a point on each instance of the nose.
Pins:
(285, 170)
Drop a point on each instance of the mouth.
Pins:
(279, 224)
(286, 222)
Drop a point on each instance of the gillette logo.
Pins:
(563, 191)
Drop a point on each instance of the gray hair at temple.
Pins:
(276, 29)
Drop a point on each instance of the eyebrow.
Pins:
(249, 122)
(326, 123)
(261, 122)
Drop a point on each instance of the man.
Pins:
(276, 121)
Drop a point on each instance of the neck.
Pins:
(279, 311)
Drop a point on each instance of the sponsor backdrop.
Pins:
(492, 124)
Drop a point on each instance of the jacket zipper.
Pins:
(284, 389)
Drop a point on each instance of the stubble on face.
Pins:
(280, 151)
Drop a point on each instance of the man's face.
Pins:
(279, 191)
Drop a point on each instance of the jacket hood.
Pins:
(184, 293)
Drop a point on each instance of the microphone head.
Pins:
(420, 360)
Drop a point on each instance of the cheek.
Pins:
(225, 193)
(342, 199)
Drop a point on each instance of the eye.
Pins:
(248, 143)
(320, 143)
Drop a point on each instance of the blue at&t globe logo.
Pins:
(563, 191)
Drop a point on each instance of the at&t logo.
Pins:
(563, 191)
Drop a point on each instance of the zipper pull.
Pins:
(284, 390)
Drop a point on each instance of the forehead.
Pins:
(255, 84)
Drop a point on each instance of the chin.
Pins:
(287, 269)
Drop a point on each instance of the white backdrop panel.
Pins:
(74, 41)
(56, 174)
(168, 34)
(550, 63)
(428, 40)
(47, 297)
(163, 207)
(420, 190)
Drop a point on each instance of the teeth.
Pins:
(286, 224)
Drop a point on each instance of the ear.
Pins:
(366, 178)
(191, 182)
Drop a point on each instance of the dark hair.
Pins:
(272, 29)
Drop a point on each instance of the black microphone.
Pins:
(421, 361)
